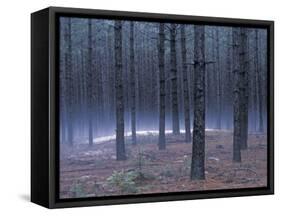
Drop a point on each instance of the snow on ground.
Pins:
(127, 134)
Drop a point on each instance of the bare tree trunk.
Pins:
(244, 62)
(259, 83)
(133, 85)
(161, 62)
(185, 87)
(63, 97)
(229, 80)
(111, 78)
(218, 72)
(120, 140)
(98, 93)
(236, 94)
(84, 71)
(174, 79)
(90, 84)
(198, 147)
(69, 81)
(214, 103)
(254, 86)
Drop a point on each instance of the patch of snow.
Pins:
(84, 178)
(213, 158)
(143, 132)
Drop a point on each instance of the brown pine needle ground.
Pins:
(85, 171)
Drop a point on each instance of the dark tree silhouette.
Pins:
(229, 82)
(90, 72)
(244, 99)
(133, 85)
(236, 94)
(120, 140)
(198, 143)
(69, 80)
(161, 55)
(259, 82)
(185, 86)
(218, 81)
(174, 79)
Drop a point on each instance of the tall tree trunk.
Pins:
(259, 83)
(244, 62)
(255, 82)
(69, 79)
(98, 93)
(174, 79)
(84, 92)
(214, 103)
(63, 94)
(185, 87)
(162, 91)
(111, 78)
(120, 140)
(198, 147)
(133, 85)
(236, 95)
(90, 84)
(218, 72)
(229, 80)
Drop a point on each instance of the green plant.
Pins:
(77, 189)
(186, 164)
(167, 171)
(124, 181)
(140, 159)
(97, 188)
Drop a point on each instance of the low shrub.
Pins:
(123, 181)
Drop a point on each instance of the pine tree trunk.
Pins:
(63, 102)
(259, 85)
(69, 80)
(99, 117)
(185, 87)
(90, 84)
(236, 95)
(244, 70)
(161, 62)
(198, 147)
(120, 140)
(133, 85)
(111, 78)
(229, 80)
(255, 81)
(218, 72)
(174, 79)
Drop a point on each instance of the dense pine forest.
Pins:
(150, 107)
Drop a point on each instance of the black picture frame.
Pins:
(44, 108)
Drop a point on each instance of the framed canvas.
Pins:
(138, 107)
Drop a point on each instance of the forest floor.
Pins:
(94, 171)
